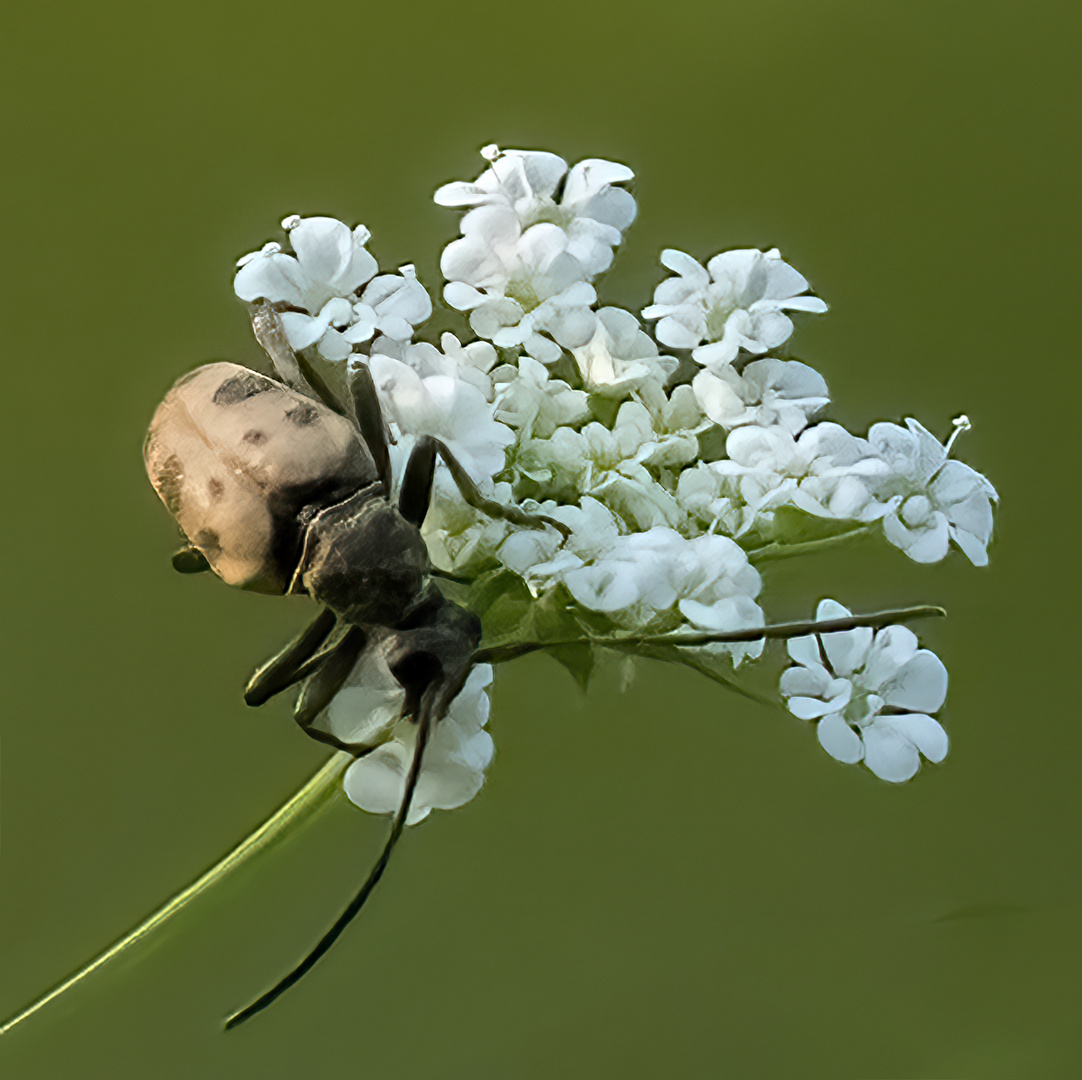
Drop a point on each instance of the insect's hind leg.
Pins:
(326, 673)
(427, 717)
(288, 666)
(416, 489)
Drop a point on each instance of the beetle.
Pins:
(281, 488)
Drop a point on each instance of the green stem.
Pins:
(783, 551)
(303, 805)
(499, 654)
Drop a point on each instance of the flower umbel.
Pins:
(674, 461)
(550, 477)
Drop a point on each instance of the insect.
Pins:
(281, 488)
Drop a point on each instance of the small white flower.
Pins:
(929, 500)
(656, 572)
(448, 408)
(767, 392)
(458, 752)
(705, 497)
(391, 304)
(871, 693)
(525, 260)
(468, 363)
(535, 404)
(460, 540)
(825, 472)
(591, 209)
(737, 302)
(330, 264)
(621, 357)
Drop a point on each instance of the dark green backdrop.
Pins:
(671, 882)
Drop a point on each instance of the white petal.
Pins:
(926, 544)
(807, 708)
(888, 753)
(810, 304)
(920, 684)
(839, 740)
(926, 734)
(798, 681)
(805, 650)
(893, 648)
(672, 332)
(683, 264)
(334, 346)
(461, 296)
(973, 547)
(301, 330)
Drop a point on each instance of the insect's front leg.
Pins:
(416, 491)
(286, 667)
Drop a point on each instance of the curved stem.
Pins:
(498, 654)
(313, 796)
(784, 551)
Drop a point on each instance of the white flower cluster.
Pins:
(871, 693)
(677, 458)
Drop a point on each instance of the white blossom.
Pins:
(523, 184)
(525, 259)
(655, 468)
(460, 540)
(329, 265)
(470, 363)
(708, 501)
(871, 692)
(446, 407)
(621, 357)
(646, 574)
(530, 400)
(928, 499)
(770, 392)
(458, 751)
(391, 304)
(737, 302)
(825, 472)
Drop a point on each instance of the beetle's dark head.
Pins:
(364, 561)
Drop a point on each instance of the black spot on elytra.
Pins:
(216, 488)
(255, 437)
(169, 481)
(238, 388)
(208, 541)
(302, 413)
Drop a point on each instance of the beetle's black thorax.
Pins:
(364, 560)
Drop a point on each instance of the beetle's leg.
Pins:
(271, 335)
(327, 672)
(292, 367)
(190, 560)
(428, 715)
(417, 489)
(370, 419)
(285, 668)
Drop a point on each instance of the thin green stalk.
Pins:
(498, 654)
(784, 551)
(303, 805)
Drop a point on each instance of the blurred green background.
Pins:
(672, 882)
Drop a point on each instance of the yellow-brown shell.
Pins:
(243, 462)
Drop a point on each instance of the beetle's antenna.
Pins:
(424, 728)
